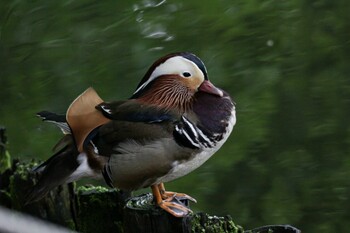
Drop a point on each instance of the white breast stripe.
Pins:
(183, 132)
(197, 131)
(192, 127)
(205, 137)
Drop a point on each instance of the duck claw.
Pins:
(174, 203)
(178, 196)
(175, 207)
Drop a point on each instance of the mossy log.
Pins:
(97, 209)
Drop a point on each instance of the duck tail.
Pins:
(57, 170)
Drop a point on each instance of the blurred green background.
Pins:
(285, 63)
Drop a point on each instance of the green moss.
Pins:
(5, 161)
(99, 205)
(24, 170)
(87, 189)
(205, 223)
(196, 224)
(5, 158)
(22, 179)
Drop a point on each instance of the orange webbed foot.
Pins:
(168, 195)
(171, 202)
(176, 209)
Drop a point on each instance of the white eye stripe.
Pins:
(174, 65)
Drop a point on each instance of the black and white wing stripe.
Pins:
(190, 135)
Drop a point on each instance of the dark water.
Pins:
(286, 64)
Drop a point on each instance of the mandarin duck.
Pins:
(174, 122)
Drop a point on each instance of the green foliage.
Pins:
(286, 63)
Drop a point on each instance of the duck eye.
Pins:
(186, 74)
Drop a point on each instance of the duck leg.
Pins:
(171, 195)
(170, 204)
